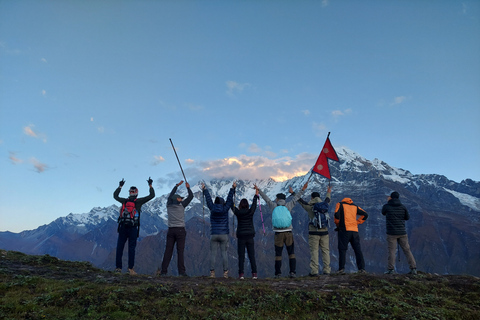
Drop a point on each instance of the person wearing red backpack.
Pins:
(129, 223)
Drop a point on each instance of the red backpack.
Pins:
(129, 214)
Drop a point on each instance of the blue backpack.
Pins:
(281, 217)
(320, 215)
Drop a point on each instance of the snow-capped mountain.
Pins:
(443, 229)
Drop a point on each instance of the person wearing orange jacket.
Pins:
(345, 218)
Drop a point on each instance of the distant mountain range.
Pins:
(444, 229)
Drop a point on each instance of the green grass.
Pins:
(43, 287)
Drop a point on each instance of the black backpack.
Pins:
(320, 215)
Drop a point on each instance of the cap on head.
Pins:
(176, 196)
(395, 195)
(281, 196)
(133, 191)
(315, 195)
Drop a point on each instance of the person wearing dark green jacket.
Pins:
(317, 237)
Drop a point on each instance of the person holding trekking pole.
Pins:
(176, 229)
(129, 223)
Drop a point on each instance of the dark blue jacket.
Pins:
(219, 213)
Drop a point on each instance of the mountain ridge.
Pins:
(443, 229)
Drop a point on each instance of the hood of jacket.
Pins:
(281, 202)
(347, 200)
(315, 200)
(395, 202)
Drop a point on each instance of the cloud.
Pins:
(28, 130)
(254, 148)
(325, 3)
(251, 168)
(44, 93)
(398, 100)
(339, 113)
(190, 161)
(43, 60)
(39, 167)
(157, 160)
(233, 87)
(319, 128)
(195, 107)
(306, 112)
(14, 159)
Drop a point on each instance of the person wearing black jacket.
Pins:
(396, 214)
(245, 235)
(129, 229)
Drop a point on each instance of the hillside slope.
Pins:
(44, 287)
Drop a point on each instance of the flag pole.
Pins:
(178, 160)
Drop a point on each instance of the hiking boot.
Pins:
(240, 276)
(225, 274)
(212, 273)
(341, 271)
(326, 273)
(292, 275)
(182, 275)
(413, 271)
(362, 271)
(278, 276)
(132, 272)
(313, 275)
(389, 271)
(118, 270)
(254, 276)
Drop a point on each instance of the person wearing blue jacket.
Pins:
(219, 227)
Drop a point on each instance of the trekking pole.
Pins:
(261, 215)
(178, 160)
(398, 250)
(203, 212)
(233, 216)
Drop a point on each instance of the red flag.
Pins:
(328, 152)
(321, 166)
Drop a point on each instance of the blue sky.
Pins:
(91, 92)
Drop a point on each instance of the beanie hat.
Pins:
(395, 195)
(315, 195)
(281, 196)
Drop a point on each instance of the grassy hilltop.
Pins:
(44, 287)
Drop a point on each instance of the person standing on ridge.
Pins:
(346, 213)
(245, 235)
(129, 223)
(396, 214)
(176, 229)
(282, 226)
(317, 237)
(219, 227)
